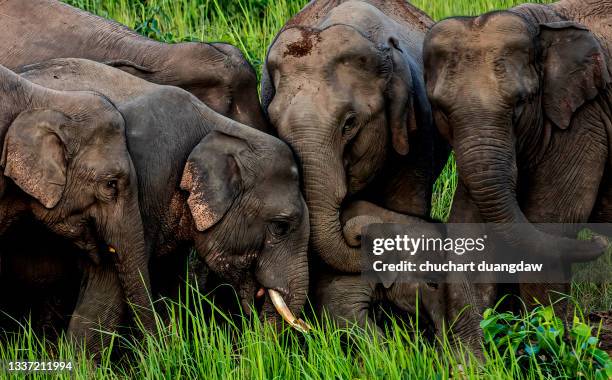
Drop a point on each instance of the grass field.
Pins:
(196, 346)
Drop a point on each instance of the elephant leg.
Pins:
(100, 307)
(577, 208)
(433, 297)
(467, 301)
(346, 300)
(602, 212)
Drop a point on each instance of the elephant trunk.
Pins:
(488, 167)
(352, 228)
(125, 240)
(325, 190)
(285, 275)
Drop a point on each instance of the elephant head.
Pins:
(500, 85)
(346, 104)
(249, 220)
(65, 161)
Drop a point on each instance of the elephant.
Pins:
(350, 299)
(66, 167)
(205, 181)
(524, 98)
(216, 73)
(343, 86)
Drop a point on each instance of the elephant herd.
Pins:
(121, 154)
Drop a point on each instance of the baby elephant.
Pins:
(349, 298)
(205, 180)
(65, 166)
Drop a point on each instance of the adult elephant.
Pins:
(343, 85)
(208, 181)
(66, 166)
(524, 97)
(217, 73)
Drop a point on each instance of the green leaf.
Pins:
(592, 341)
(601, 356)
(582, 330)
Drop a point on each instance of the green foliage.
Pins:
(537, 340)
(198, 341)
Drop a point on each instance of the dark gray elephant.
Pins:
(218, 74)
(205, 180)
(65, 165)
(343, 85)
(524, 97)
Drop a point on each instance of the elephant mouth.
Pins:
(95, 250)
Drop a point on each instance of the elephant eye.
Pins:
(279, 228)
(111, 184)
(349, 124)
(111, 187)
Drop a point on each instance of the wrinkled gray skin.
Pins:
(524, 97)
(343, 85)
(349, 298)
(218, 74)
(65, 165)
(205, 180)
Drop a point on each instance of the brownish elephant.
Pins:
(343, 85)
(524, 97)
(65, 165)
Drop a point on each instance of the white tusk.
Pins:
(283, 310)
(111, 249)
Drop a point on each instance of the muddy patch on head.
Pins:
(303, 47)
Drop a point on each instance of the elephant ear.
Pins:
(267, 88)
(407, 99)
(212, 177)
(574, 67)
(34, 156)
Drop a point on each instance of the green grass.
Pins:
(195, 345)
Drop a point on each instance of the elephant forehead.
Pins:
(94, 117)
(297, 42)
(499, 22)
(496, 28)
(300, 43)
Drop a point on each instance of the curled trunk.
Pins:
(325, 190)
(488, 167)
(352, 228)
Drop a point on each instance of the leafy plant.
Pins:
(539, 339)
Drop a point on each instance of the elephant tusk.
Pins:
(283, 310)
(111, 249)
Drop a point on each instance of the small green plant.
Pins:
(150, 26)
(537, 341)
